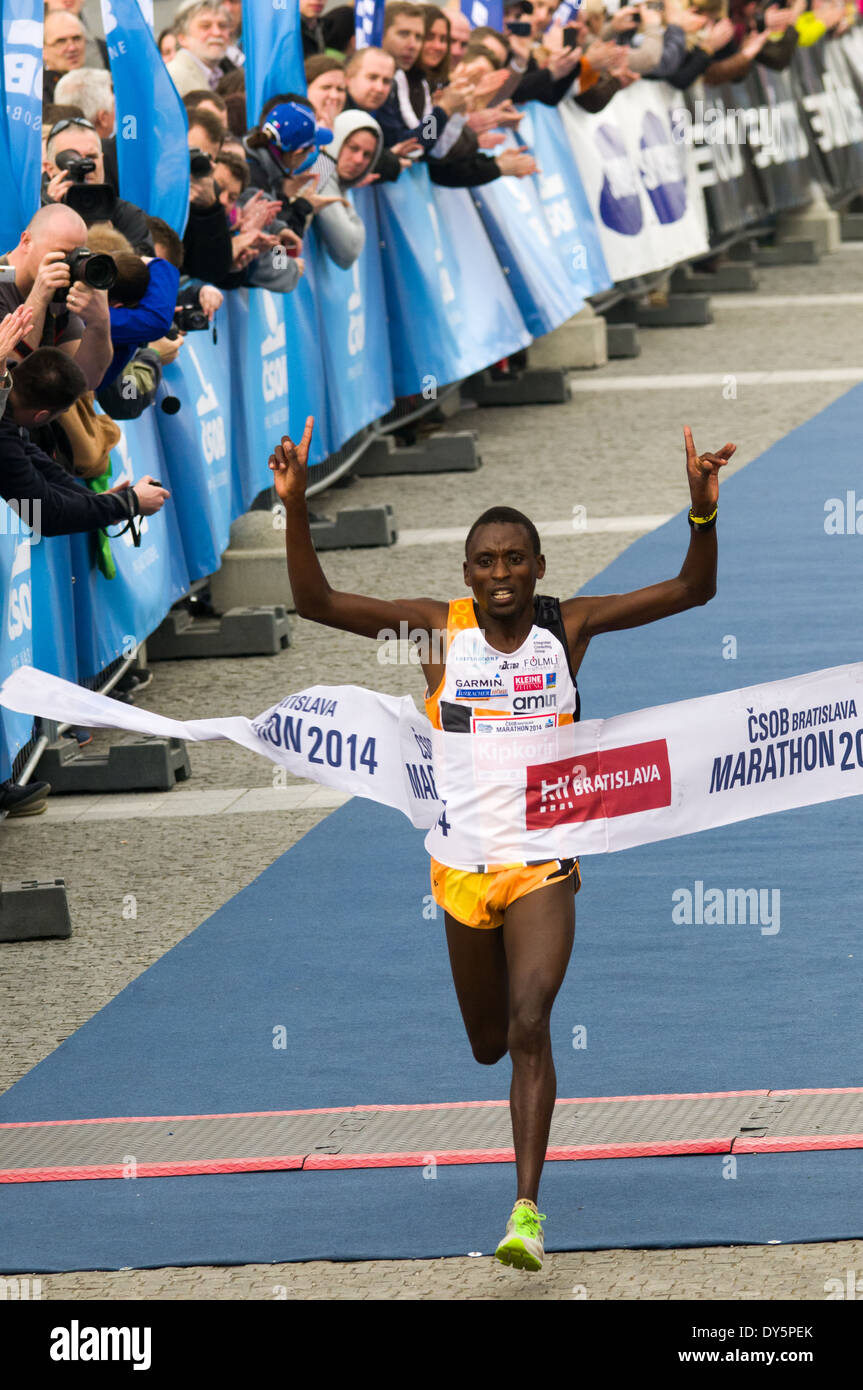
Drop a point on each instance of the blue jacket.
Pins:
(147, 321)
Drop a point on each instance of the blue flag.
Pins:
(274, 52)
(369, 27)
(566, 12)
(20, 117)
(483, 13)
(152, 151)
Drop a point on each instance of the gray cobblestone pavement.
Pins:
(616, 454)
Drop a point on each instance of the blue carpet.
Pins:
(332, 943)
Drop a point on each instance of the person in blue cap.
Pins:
(280, 150)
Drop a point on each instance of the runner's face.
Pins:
(502, 570)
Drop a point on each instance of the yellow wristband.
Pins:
(701, 520)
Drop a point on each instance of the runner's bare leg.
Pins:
(479, 973)
(538, 933)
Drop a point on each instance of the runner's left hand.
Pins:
(703, 473)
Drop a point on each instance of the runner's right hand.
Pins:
(289, 465)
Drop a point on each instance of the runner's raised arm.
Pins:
(313, 596)
(694, 585)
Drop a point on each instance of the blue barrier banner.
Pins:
(113, 615)
(196, 446)
(16, 634)
(564, 200)
(515, 220)
(274, 52)
(483, 13)
(492, 326)
(54, 646)
(306, 389)
(20, 116)
(369, 23)
(353, 330)
(259, 369)
(426, 323)
(152, 125)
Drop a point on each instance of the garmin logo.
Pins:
(77, 1343)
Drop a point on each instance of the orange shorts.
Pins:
(480, 900)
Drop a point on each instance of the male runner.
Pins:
(509, 928)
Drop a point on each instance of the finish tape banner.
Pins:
(510, 796)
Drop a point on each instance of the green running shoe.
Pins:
(522, 1247)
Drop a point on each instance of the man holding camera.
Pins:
(75, 166)
(44, 386)
(67, 313)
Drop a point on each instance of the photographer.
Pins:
(75, 163)
(44, 387)
(70, 316)
(207, 246)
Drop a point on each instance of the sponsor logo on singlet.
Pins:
(478, 688)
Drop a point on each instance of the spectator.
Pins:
(207, 249)
(370, 74)
(714, 52)
(142, 301)
(435, 52)
(232, 179)
(346, 163)
(459, 34)
(51, 114)
(530, 82)
(280, 150)
(96, 54)
(168, 46)
(79, 326)
(206, 131)
(64, 48)
(233, 9)
(78, 138)
(13, 328)
(654, 49)
(44, 386)
(92, 90)
(202, 31)
(340, 30)
(326, 88)
(311, 28)
(408, 112)
(212, 102)
(232, 89)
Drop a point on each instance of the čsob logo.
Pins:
(619, 199)
(662, 169)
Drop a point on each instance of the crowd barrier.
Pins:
(450, 281)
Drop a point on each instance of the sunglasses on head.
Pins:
(71, 121)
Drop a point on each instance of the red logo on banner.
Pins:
(528, 682)
(616, 782)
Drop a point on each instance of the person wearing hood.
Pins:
(347, 163)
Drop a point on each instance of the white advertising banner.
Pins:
(640, 181)
(516, 796)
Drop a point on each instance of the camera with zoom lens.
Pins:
(92, 268)
(75, 166)
(200, 164)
